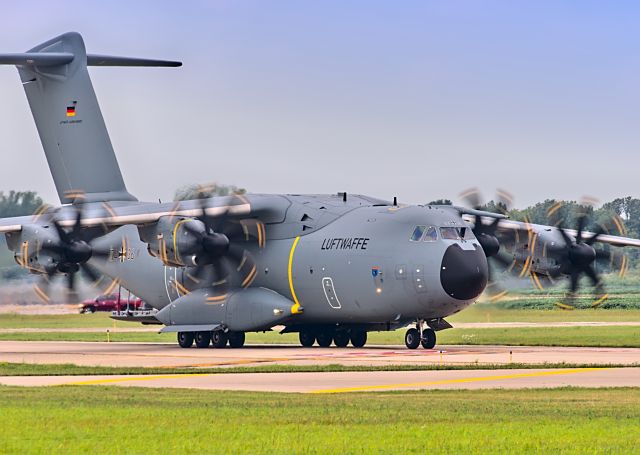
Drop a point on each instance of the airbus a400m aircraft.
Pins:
(330, 267)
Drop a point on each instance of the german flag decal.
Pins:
(71, 110)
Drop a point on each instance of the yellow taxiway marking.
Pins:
(457, 381)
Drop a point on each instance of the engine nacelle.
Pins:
(244, 310)
(169, 241)
(27, 244)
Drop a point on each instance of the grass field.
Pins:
(480, 312)
(104, 420)
(609, 336)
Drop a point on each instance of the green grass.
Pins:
(56, 321)
(67, 369)
(609, 336)
(480, 312)
(91, 419)
(485, 312)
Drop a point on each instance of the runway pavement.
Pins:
(170, 355)
(342, 382)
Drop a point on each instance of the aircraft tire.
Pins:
(219, 339)
(412, 338)
(236, 339)
(185, 339)
(358, 338)
(307, 338)
(202, 339)
(428, 339)
(341, 339)
(324, 339)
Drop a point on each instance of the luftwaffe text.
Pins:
(349, 243)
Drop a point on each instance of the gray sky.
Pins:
(419, 100)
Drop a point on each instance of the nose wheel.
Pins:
(413, 338)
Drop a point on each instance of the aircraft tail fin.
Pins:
(68, 118)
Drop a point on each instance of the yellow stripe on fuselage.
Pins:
(295, 309)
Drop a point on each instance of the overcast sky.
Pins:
(419, 100)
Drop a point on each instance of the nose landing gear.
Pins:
(418, 336)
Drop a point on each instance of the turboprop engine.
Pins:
(179, 241)
(244, 310)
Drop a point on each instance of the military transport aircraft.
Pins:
(330, 267)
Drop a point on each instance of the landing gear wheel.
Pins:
(236, 339)
(324, 339)
(358, 338)
(307, 338)
(412, 338)
(202, 339)
(219, 339)
(341, 339)
(185, 339)
(428, 338)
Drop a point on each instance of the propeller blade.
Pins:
(581, 223)
(71, 277)
(61, 232)
(503, 259)
(100, 253)
(76, 231)
(91, 273)
(568, 241)
(471, 197)
(41, 288)
(493, 227)
(575, 277)
(593, 275)
(594, 238)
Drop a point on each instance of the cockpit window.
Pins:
(417, 233)
(431, 235)
(468, 234)
(449, 233)
(456, 233)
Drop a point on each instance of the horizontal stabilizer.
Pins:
(62, 58)
(108, 60)
(37, 58)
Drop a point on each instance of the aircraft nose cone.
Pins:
(464, 273)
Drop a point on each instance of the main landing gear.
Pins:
(413, 338)
(340, 338)
(217, 338)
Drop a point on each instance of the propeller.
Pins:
(576, 257)
(221, 250)
(70, 252)
(486, 234)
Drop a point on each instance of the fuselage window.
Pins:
(417, 233)
(431, 235)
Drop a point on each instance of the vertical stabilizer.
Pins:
(68, 118)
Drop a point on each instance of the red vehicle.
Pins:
(110, 302)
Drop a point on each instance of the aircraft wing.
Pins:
(524, 228)
(267, 208)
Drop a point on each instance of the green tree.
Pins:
(19, 203)
(441, 202)
(194, 191)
